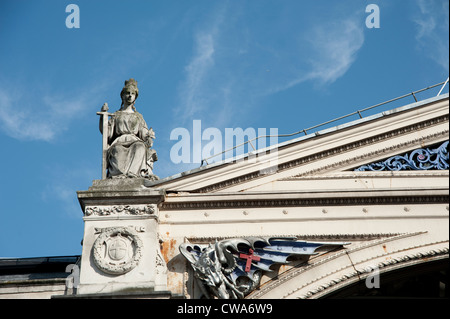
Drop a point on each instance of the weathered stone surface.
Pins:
(127, 140)
(121, 246)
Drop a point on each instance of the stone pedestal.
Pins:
(121, 248)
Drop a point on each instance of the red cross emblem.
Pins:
(250, 257)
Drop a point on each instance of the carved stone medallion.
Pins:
(117, 250)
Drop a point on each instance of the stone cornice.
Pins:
(397, 148)
(341, 199)
(34, 282)
(375, 139)
(306, 237)
(119, 192)
(371, 174)
(386, 150)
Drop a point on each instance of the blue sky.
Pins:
(286, 64)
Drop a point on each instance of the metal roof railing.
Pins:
(304, 131)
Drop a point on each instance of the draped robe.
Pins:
(128, 154)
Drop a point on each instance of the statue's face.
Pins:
(129, 96)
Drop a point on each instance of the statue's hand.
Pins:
(151, 133)
(148, 140)
(105, 107)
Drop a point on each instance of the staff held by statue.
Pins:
(104, 117)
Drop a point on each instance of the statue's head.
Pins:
(130, 86)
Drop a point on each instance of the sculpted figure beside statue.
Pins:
(127, 140)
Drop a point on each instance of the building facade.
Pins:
(372, 193)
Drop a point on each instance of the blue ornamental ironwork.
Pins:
(433, 158)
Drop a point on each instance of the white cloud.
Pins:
(234, 64)
(20, 123)
(432, 30)
(335, 47)
(61, 184)
(196, 70)
(43, 121)
(195, 93)
(325, 53)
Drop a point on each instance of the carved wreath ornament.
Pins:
(117, 250)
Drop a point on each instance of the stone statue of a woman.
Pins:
(129, 140)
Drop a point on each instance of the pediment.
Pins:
(327, 159)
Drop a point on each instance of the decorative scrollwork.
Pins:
(120, 210)
(433, 158)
